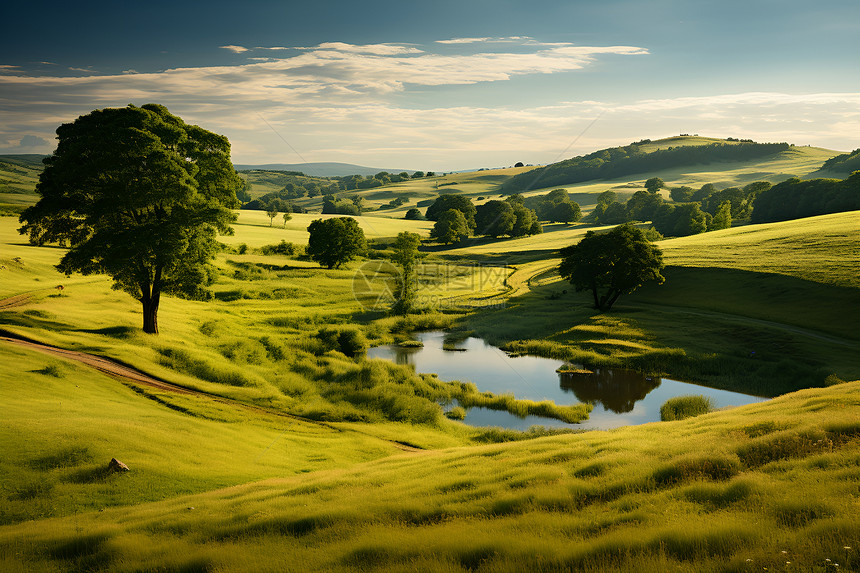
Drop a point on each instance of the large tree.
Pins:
(611, 264)
(495, 218)
(447, 201)
(139, 195)
(333, 242)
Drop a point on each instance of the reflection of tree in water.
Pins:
(617, 389)
(403, 355)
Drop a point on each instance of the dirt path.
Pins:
(13, 301)
(127, 374)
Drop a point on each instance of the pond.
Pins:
(620, 397)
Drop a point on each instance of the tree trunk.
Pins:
(150, 314)
(151, 296)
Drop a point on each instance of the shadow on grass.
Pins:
(722, 328)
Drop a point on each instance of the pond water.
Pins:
(620, 397)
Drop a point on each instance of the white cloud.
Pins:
(234, 49)
(463, 41)
(375, 49)
(491, 40)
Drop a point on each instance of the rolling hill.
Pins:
(320, 169)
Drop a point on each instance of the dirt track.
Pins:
(128, 374)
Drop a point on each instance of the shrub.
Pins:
(346, 339)
(682, 407)
(456, 413)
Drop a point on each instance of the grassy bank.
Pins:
(768, 486)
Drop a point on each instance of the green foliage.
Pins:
(654, 184)
(845, 162)
(681, 194)
(642, 206)
(282, 248)
(682, 407)
(138, 195)
(495, 218)
(333, 242)
(722, 218)
(444, 203)
(555, 206)
(349, 340)
(414, 214)
(332, 206)
(451, 227)
(617, 262)
(681, 220)
(456, 413)
(793, 198)
(406, 256)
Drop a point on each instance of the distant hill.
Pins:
(643, 157)
(323, 169)
(843, 164)
(18, 177)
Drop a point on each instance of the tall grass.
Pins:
(683, 407)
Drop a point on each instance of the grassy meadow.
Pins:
(296, 453)
(770, 487)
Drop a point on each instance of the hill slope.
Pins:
(320, 169)
(642, 157)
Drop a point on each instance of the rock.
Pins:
(117, 466)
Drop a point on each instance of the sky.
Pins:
(440, 85)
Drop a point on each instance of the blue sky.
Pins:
(439, 85)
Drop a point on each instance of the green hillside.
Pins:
(284, 450)
(18, 177)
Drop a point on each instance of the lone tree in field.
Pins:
(406, 255)
(333, 242)
(139, 195)
(611, 264)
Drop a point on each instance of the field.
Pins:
(268, 443)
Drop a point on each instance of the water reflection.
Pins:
(626, 397)
(617, 390)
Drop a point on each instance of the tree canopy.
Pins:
(336, 241)
(450, 228)
(654, 184)
(139, 195)
(445, 202)
(406, 255)
(611, 264)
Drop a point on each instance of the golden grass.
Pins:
(746, 489)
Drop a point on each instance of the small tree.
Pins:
(450, 228)
(654, 184)
(414, 214)
(723, 217)
(611, 264)
(565, 212)
(336, 241)
(406, 255)
(525, 222)
(287, 217)
(272, 210)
